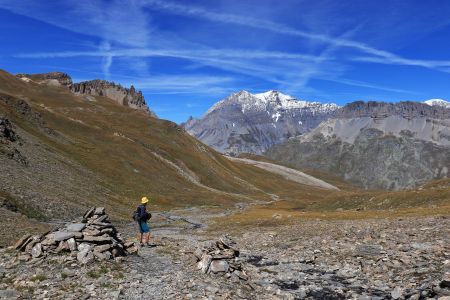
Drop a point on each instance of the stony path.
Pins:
(151, 276)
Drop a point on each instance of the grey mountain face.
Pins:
(376, 145)
(246, 122)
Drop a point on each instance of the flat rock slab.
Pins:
(219, 266)
(368, 250)
(62, 235)
(76, 227)
(102, 238)
(89, 213)
(21, 241)
(99, 211)
(9, 294)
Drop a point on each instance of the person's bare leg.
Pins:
(145, 238)
(140, 238)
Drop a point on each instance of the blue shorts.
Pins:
(143, 227)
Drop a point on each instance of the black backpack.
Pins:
(136, 215)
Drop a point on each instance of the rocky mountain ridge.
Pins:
(245, 122)
(405, 109)
(124, 96)
(376, 145)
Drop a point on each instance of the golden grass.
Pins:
(118, 144)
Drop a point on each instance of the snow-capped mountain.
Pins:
(245, 122)
(438, 102)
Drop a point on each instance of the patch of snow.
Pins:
(300, 123)
(276, 116)
(271, 101)
(270, 94)
(438, 102)
(26, 79)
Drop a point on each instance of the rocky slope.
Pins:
(376, 145)
(398, 258)
(124, 96)
(52, 78)
(245, 122)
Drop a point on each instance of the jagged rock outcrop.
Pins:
(7, 133)
(8, 141)
(376, 145)
(245, 122)
(52, 78)
(124, 96)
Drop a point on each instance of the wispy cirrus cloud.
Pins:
(182, 84)
(441, 65)
(380, 56)
(281, 69)
(109, 21)
(127, 33)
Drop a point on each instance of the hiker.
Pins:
(142, 217)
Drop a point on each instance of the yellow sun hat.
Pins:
(144, 200)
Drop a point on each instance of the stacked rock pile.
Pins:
(89, 237)
(222, 258)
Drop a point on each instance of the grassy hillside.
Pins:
(81, 152)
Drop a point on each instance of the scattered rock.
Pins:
(445, 283)
(85, 256)
(8, 294)
(396, 293)
(36, 251)
(368, 250)
(72, 244)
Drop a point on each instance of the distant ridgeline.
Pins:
(376, 144)
(124, 96)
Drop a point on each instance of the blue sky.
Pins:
(186, 55)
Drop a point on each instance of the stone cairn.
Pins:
(89, 237)
(221, 258)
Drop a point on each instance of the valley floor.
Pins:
(392, 258)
